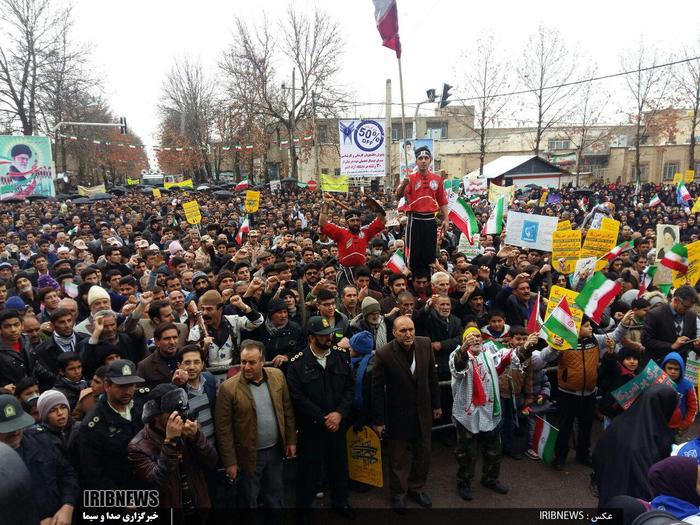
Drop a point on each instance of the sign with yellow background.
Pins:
(252, 201)
(693, 274)
(564, 225)
(192, 213)
(365, 456)
(597, 244)
(566, 244)
(554, 297)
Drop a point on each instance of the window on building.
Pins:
(322, 133)
(396, 131)
(324, 171)
(336, 172)
(437, 130)
(670, 169)
(697, 168)
(555, 144)
(643, 173)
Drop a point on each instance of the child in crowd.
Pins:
(687, 408)
(496, 328)
(70, 377)
(615, 371)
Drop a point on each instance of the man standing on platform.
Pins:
(425, 195)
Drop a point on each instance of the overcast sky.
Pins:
(134, 43)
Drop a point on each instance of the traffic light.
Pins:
(122, 125)
(431, 95)
(445, 95)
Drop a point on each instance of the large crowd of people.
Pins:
(138, 351)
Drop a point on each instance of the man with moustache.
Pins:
(321, 386)
(160, 366)
(352, 241)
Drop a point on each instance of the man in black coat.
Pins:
(55, 486)
(321, 386)
(17, 359)
(406, 399)
(63, 339)
(107, 429)
(281, 337)
(670, 327)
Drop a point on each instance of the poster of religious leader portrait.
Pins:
(26, 167)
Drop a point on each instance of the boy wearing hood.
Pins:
(615, 371)
(687, 408)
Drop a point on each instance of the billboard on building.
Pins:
(26, 167)
(362, 147)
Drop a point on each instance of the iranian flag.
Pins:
(561, 323)
(655, 201)
(495, 222)
(534, 323)
(617, 250)
(474, 200)
(683, 195)
(397, 263)
(245, 228)
(647, 279)
(544, 439)
(598, 293)
(387, 18)
(676, 258)
(462, 216)
(243, 185)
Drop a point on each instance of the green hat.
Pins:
(319, 326)
(12, 417)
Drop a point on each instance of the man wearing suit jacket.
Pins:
(406, 398)
(670, 327)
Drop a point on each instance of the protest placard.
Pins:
(650, 375)
(252, 201)
(566, 244)
(691, 278)
(192, 213)
(364, 456)
(564, 225)
(609, 224)
(585, 265)
(530, 231)
(597, 244)
(555, 295)
(496, 191)
(691, 371)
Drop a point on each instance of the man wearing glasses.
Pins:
(425, 195)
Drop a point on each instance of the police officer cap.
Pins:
(12, 417)
(423, 149)
(20, 149)
(122, 372)
(319, 326)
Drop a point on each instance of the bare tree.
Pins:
(686, 78)
(32, 38)
(188, 99)
(311, 45)
(646, 86)
(546, 65)
(486, 76)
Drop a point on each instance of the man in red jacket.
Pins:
(425, 196)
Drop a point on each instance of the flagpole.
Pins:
(403, 122)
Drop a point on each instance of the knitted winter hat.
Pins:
(97, 292)
(48, 400)
(369, 306)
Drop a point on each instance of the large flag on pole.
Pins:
(682, 194)
(387, 17)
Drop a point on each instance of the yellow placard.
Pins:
(89, 191)
(364, 456)
(156, 193)
(564, 225)
(597, 244)
(495, 192)
(132, 182)
(693, 274)
(566, 244)
(689, 176)
(192, 213)
(184, 184)
(606, 223)
(252, 201)
(331, 183)
(677, 178)
(554, 297)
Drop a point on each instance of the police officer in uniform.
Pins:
(107, 429)
(321, 387)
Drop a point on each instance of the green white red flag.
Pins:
(655, 201)
(397, 262)
(462, 216)
(494, 226)
(544, 439)
(617, 250)
(596, 295)
(561, 323)
(245, 228)
(676, 258)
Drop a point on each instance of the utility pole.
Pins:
(388, 177)
(292, 120)
(317, 168)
